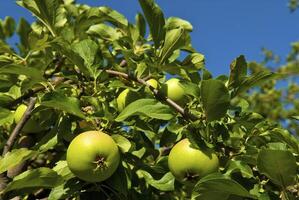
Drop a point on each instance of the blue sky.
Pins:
(222, 29)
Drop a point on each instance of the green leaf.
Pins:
(45, 10)
(63, 170)
(6, 116)
(105, 32)
(113, 16)
(166, 183)
(175, 22)
(67, 50)
(9, 26)
(239, 166)
(65, 190)
(31, 72)
(123, 143)
(35, 178)
(38, 42)
(5, 48)
(238, 71)
(254, 80)
(148, 107)
(285, 137)
(15, 157)
(119, 181)
(215, 99)
(5, 99)
(194, 62)
(215, 185)
(140, 24)
(280, 166)
(59, 101)
(174, 39)
(87, 50)
(190, 88)
(48, 141)
(155, 19)
(23, 30)
(295, 117)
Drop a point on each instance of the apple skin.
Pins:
(125, 98)
(188, 164)
(173, 90)
(31, 126)
(86, 149)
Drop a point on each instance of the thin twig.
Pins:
(57, 67)
(156, 92)
(25, 96)
(19, 126)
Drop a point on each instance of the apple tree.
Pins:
(93, 106)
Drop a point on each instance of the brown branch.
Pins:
(24, 142)
(57, 67)
(25, 96)
(178, 108)
(19, 126)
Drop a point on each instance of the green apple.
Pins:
(174, 90)
(32, 125)
(188, 164)
(125, 98)
(93, 156)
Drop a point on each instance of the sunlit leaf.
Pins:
(59, 101)
(218, 185)
(15, 157)
(35, 178)
(155, 19)
(149, 107)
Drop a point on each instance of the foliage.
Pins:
(76, 59)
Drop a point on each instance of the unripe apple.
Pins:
(174, 90)
(188, 164)
(31, 126)
(93, 156)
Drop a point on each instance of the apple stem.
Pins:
(191, 176)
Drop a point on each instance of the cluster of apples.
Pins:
(93, 156)
(171, 89)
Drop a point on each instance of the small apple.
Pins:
(174, 90)
(93, 156)
(125, 98)
(32, 125)
(188, 164)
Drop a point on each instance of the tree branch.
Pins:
(32, 92)
(19, 126)
(178, 108)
